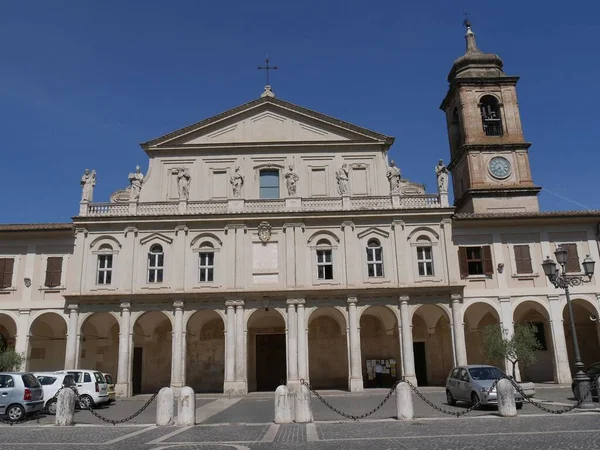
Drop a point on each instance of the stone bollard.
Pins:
(186, 407)
(404, 403)
(302, 407)
(283, 405)
(65, 408)
(506, 398)
(164, 407)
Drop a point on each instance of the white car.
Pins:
(51, 383)
(91, 386)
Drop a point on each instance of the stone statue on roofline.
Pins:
(393, 175)
(237, 181)
(343, 176)
(291, 179)
(136, 180)
(88, 181)
(441, 172)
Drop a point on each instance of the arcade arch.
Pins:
(47, 343)
(205, 350)
(476, 317)
(588, 332)
(327, 349)
(99, 348)
(267, 366)
(8, 329)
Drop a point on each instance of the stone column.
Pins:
(562, 372)
(507, 323)
(408, 357)
(292, 326)
(233, 386)
(460, 347)
(356, 382)
(122, 387)
(72, 334)
(240, 346)
(178, 352)
(302, 341)
(22, 337)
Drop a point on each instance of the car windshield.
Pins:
(99, 377)
(47, 381)
(68, 381)
(108, 379)
(485, 373)
(30, 381)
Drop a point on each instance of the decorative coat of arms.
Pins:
(264, 232)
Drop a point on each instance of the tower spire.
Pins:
(470, 36)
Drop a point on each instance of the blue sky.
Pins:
(83, 82)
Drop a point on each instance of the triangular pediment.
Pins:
(267, 120)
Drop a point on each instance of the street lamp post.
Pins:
(561, 280)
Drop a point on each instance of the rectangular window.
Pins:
(53, 271)
(105, 263)
(572, 258)
(523, 259)
(155, 267)
(374, 261)
(269, 183)
(206, 267)
(475, 261)
(425, 261)
(6, 272)
(324, 265)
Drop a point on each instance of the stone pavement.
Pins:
(576, 430)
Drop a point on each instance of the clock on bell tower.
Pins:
(489, 158)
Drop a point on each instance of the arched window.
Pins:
(269, 183)
(324, 260)
(490, 116)
(374, 258)
(424, 257)
(156, 264)
(206, 263)
(105, 265)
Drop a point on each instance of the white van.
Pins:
(91, 386)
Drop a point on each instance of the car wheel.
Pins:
(474, 398)
(86, 402)
(519, 405)
(449, 399)
(15, 412)
(51, 406)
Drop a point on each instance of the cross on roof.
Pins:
(267, 67)
(466, 22)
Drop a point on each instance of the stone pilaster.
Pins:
(356, 381)
(123, 386)
(562, 372)
(178, 353)
(408, 357)
(460, 347)
(72, 335)
(232, 386)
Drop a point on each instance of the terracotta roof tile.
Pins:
(36, 226)
(527, 215)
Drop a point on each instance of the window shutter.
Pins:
(53, 272)
(6, 272)
(462, 262)
(488, 266)
(572, 258)
(523, 259)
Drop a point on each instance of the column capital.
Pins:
(181, 227)
(128, 230)
(404, 299)
(294, 225)
(236, 302)
(125, 305)
(81, 230)
(24, 311)
(456, 298)
(296, 301)
(233, 226)
(347, 223)
(398, 223)
(553, 298)
(504, 299)
(73, 308)
(352, 299)
(178, 304)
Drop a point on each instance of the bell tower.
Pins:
(489, 158)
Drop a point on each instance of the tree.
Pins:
(520, 348)
(9, 359)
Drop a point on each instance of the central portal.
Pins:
(270, 361)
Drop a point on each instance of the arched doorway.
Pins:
(327, 349)
(432, 345)
(47, 343)
(100, 343)
(267, 366)
(152, 348)
(587, 332)
(205, 341)
(379, 342)
(534, 313)
(8, 329)
(476, 317)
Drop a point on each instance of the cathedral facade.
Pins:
(272, 243)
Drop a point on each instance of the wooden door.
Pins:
(420, 363)
(270, 361)
(138, 353)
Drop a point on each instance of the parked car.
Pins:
(471, 383)
(593, 372)
(91, 386)
(20, 394)
(52, 383)
(110, 385)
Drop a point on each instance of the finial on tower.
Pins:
(268, 92)
(470, 36)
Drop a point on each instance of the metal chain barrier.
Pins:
(548, 410)
(126, 419)
(453, 413)
(351, 416)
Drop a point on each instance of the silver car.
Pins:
(20, 394)
(471, 383)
